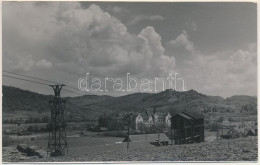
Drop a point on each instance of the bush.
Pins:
(30, 129)
(47, 127)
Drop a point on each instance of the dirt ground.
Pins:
(111, 149)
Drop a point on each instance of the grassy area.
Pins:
(95, 147)
(24, 126)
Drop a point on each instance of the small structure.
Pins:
(251, 132)
(256, 129)
(231, 133)
(226, 122)
(102, 129)
(212, 118)
(188, 128)
(159, 139)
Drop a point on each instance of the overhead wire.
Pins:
(44, 81)
(41, 83)
(30, 77)
(25, 80)
(48, 85)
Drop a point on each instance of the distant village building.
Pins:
(188, 128)
(231, 133)
(212, 119)
(251, 132)
(226, 122)
(148, 119)
(247, 128)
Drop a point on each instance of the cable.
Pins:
(25, 80)
(14, 103)
(48, 85)
(39, 83)
(72, 92)
(76, 89)
(46, 81)
(31, 77)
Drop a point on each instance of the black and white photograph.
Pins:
(129, 82)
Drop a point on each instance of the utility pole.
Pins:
(57, 141)
(128, 129)
(128, 139)
(217, 130)
(171, 136)
(158, 138)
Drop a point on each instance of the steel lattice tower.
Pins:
(57, 142)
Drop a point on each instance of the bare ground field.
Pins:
(97, 148)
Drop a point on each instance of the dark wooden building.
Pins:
(188, 128)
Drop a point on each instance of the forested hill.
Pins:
(19, 103)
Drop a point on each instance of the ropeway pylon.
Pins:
(57, 142)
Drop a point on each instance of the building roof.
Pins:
(233, 130)
(190, 115)
(145, 115)
(185, 116)
(252, 131)
(135, 115)
(161, 115)
(193, 114)
(147, 137)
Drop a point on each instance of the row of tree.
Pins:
(44, 119)
(113, 121)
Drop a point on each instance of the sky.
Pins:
(210, 45)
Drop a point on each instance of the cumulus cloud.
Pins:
(44, 64)
(194, 26)
(139, 18)
(182, 40)
(25, 63)
(117, 9)
(72, 40)
(225, 74)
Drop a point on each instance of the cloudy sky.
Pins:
(211, 45)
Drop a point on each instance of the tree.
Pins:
(47, 127)
(220, 119)
(102, 120)
(141, 126)
(30, 129)
(45, 119)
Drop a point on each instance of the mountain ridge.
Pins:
(23, 103)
